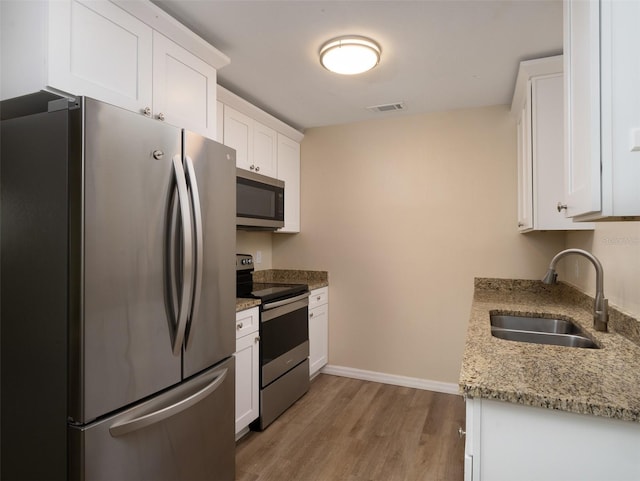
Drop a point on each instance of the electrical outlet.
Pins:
(258, 257)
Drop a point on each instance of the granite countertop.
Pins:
(314, 279)
(244, 303)
(601, 382)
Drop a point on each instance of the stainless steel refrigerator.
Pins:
(117, 295)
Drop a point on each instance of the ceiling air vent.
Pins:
(387, 107)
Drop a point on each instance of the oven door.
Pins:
(284, 336)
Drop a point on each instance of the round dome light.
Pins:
(350, 55)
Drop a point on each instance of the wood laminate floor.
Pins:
(351, 430)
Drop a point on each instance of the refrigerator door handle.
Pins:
(125, 427)
(199, 243)
(188, 254)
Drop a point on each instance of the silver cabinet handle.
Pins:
(187, 261)
(461, 432)
(146, 112)
(239, 326)
(257, 168)
(257, 339)
(311, 314)
(125, 427)
(199, 242)
(318, 298)
(561, 206)
(520, 224)
(158, 154)
(252, 167)
(160, 116)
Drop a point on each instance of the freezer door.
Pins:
(122, 348)
(211, 171)
(186, 433)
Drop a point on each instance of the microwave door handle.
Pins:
(187, 246)
(199, 243)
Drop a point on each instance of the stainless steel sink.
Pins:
(539, 330)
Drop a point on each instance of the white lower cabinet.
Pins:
(318, 329)
(247, 368)
(506, 441)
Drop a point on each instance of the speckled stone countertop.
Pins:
(314, 279)
(243, 303)
(601, 382)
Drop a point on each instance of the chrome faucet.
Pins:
(601, 305)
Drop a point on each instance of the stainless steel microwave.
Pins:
(259, 201)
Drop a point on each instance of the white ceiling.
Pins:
(437, 55)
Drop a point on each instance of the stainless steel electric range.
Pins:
(284, 340)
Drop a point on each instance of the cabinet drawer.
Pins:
(318, 297)
(247, 321)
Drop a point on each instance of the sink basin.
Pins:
(539, 330)
(536, 324)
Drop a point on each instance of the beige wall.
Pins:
(617, 246)
(404, 213)
(248, 242)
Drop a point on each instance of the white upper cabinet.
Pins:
(289, 171)
(184, 88)
(264, 145)
(602, 67)
(99, 50)
(254, 142)
(538, 106)
(129, 54)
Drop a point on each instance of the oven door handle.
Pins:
(273, 305)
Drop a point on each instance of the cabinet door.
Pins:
(265, 150)
(247, 381)
(99, 50)
(547, 147)
(525, 169)
(318, 338)
(582, 106)
(238, 134)
(289, 171)
(184, 88)
(247, 321)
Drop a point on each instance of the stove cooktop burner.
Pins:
(268, 291)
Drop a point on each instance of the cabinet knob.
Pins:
(161, 116)
(461, 432)
(520, 224)
(146, 111)
(239, 326)
(257, 339)
(252, 167)
(318, 298)
(158, 154)
(311, 314)
(257, 168)
(561, 206)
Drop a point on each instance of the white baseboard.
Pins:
(414, 382)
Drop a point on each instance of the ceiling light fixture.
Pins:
(350, 54)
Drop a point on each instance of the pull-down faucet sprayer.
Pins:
(601, 304)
